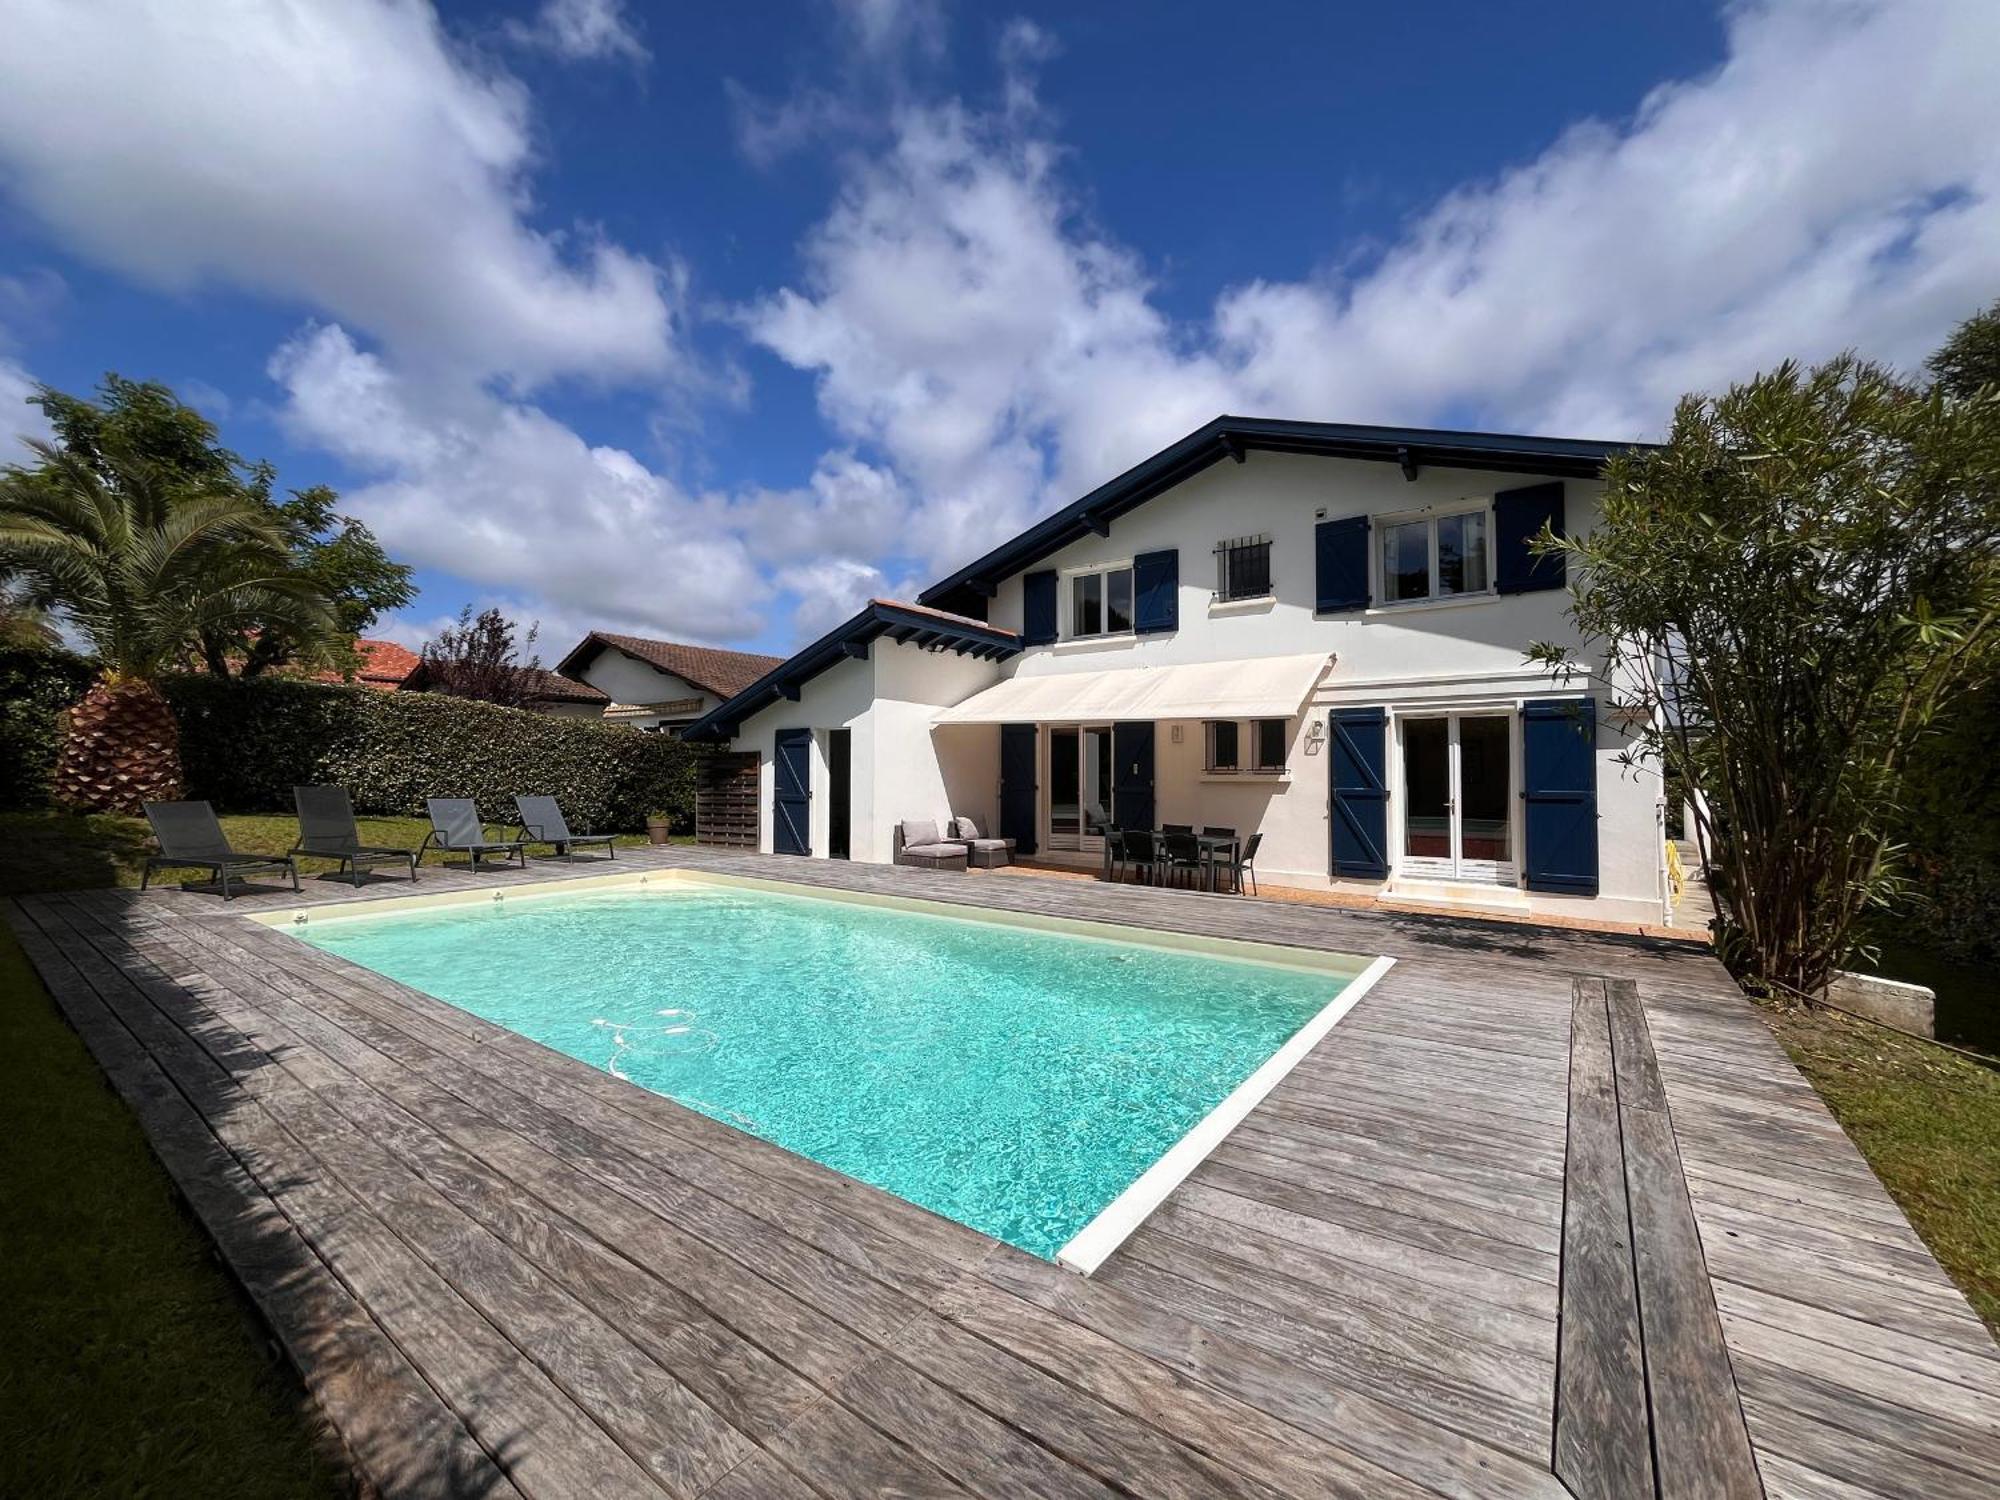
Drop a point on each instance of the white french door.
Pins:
(1458, 798)
(1079, 786)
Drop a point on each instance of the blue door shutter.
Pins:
(1017, 786)
(1132, 775)
(1359, 769)
(1038, 608)
(791, 792)
(1156, 587)
(1518, 517)
(1340, 565)
(1559, 785)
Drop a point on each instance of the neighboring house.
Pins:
(661, 685)
(385, 666)
(1305, 630)
(545, 692)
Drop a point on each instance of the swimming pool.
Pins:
(1017, 1078)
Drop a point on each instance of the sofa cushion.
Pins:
(918, 832)
(988, 844)
(964, 828)
(934, 850)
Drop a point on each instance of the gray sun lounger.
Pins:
(190, 835)
(458, 829)
(327, 830)
(542, 822)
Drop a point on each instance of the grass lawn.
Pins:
(132, 1365)
(1929, 1123)
(43, 851)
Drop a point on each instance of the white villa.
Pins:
(661, 686)
(1308, 631)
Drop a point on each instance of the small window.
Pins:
(1435, 558)
(1243, 568)
(1222, 745)
(1269, 742)
(1101, 603)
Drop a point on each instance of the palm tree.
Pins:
(139, 568)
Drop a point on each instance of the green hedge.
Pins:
(35, 686)
(245, 745)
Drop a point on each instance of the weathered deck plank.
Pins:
(498, 1266)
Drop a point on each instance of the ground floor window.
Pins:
(1226, 742)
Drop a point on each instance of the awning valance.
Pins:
(1260, 687)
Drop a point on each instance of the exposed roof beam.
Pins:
(1096, 525)
(1407, 462)
(856, 649)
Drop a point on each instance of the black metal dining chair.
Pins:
(1180, 853)
(1241, 865)
(1114, 851)
(1219, 860)
(1177, 828)
(1141, 852)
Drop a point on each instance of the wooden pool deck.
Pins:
(1548, 1213)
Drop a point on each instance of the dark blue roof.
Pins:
(1233, 437)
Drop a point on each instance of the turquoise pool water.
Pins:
(1012, 1079)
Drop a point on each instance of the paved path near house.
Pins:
(1547, 1213)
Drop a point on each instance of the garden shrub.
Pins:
(246, 744)
(36, 685)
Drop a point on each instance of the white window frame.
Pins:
(1430, 516)
(1067, 604)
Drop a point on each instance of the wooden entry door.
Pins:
(791, 792)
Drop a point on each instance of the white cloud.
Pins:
(503, 496)
(1835, 183)
(345, 155)
(18, 420)
(582, 31)
(888, 28)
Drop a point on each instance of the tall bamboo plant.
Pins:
(140, 568)
(1785, 595)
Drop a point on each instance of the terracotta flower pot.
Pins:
(657, 829)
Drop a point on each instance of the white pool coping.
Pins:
(1090, 1246)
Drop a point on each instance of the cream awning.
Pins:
(1262, 687)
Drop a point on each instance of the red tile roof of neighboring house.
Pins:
(723, 673)
(384, 665)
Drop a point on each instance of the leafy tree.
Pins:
(1789, 591)
(478, 658)
(142, 564)
(1969, 361)
(144, 421)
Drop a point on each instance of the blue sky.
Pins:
(709, 321)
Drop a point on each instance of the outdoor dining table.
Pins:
(1211, 844)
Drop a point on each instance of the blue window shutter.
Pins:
(1038, 608)
(1018, 809)
(791, 792)
(1340, 565)
(1132, 775)
(1359, 768)
(1559, 785)
(1156, 587)
(1518, 517)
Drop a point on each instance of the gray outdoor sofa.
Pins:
(918, 844)
(981, 853)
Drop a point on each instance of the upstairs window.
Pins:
(1100, 602)
(1436, 557)
(1243, 568)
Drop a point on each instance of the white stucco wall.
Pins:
(886, 702)
(629, 680)
(1433, 656)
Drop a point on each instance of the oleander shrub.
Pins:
(36, 685)
(246, 744)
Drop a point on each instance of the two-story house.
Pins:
(1308, 631)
